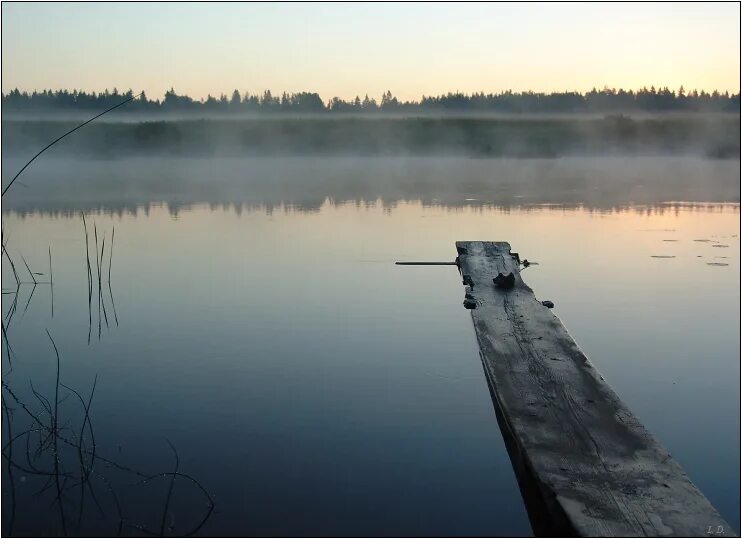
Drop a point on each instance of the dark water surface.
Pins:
(310, 386)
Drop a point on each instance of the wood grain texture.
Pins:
(585, 464)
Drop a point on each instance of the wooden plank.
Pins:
(585, 464)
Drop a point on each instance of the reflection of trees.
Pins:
(315, 206)
(131, 186)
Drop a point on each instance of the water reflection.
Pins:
(311, 386)
(52, 461)
(49, 448)
(97, 279)
(60, 186)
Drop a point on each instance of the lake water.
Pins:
(312, 387)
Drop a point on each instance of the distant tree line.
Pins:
(605, 100)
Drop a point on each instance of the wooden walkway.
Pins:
(585, 464)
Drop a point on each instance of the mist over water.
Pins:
(204, 331)
(66, 185)
(539, 136)
(256, 321)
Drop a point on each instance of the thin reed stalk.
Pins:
(30, 296)
(55, 432)
(90, 277)
(170, 490)
(100, 279)
(51, 279)
(110, 290)
(11, 479)
(8, 349)
(29, 270)
(110, 256)
(12, 266)
(97, 262)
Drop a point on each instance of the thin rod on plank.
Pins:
(425, 263)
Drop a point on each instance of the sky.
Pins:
(354, 49)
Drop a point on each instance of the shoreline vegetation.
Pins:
(607, 100)
(507, 124)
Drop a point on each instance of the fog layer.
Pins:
(715, 136)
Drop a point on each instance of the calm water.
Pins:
(310, 386)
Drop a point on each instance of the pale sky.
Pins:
(352, 49)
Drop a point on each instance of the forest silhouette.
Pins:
(600, 101)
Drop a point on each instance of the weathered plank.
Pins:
(585, 464)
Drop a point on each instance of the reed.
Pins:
(97, 263)
(33, 278)
(100, 286)
(169, 491)
(8, 349)
(30, 297)
(13, 307)
(55, 437)
(87, 256)
(55, 429)
(12, 265)
(110, 256)
(110, 290)
(85, 470)
(51, 279)
(90, 276)
(11, 478)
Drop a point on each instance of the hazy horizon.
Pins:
(346, 50)
(277, 93)
(206, 331)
